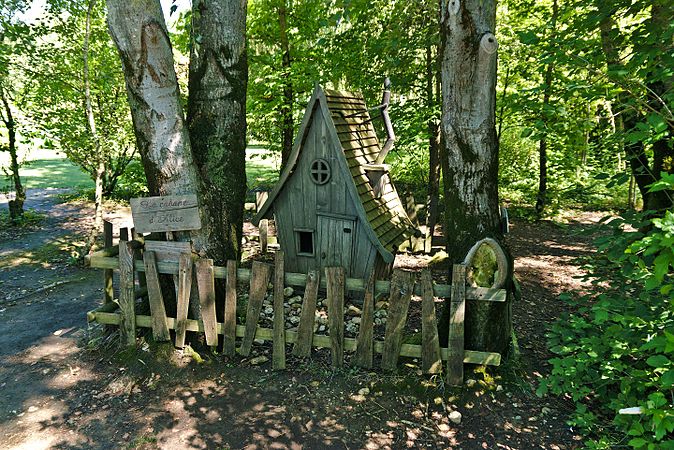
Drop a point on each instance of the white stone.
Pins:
(455, 417)
(259, 360)
(288, 292)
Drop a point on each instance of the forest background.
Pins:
(584, 120)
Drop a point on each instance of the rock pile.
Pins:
(292, 307)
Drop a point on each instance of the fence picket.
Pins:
(259, 280)
(160, 331)
(364, 343)
(431, 361)
(183, 300)
(457, 313)
(127, 300)
(335, 282)
(279, 347)
(402, 286)
(206, 288)
(229, 331)
(305, 331)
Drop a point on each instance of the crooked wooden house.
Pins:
(334, 204)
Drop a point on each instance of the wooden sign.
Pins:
(165, 213)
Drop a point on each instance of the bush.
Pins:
(132, 183)
(617, 350)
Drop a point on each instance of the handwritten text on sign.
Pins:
(165, 213)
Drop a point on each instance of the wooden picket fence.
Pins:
(142, 262)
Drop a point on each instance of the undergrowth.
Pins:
(616, 351)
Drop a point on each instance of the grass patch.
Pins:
(30, 219)
(51, 170)
(62, 250)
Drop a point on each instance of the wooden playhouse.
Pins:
(334, 204)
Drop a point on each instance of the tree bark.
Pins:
(139, 32)
(287, 125)
(16, 205)
(433, 146)
(218, 79)
(634, 151)
(470, 162)
(542, 196)
(662, 16)
(91, 120)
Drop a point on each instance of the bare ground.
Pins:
(62, 385)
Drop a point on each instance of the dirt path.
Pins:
(57, 393)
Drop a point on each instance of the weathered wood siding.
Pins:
(326, 209)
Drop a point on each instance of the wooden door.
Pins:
(336, 242)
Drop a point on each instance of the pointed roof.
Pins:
(350, 127)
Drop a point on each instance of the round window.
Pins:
(320, 171)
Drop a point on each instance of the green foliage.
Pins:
(30, 218)
(54, 62)
(132, 182)
(617, 350)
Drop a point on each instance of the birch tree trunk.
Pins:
(287, 131)
(470, 159)
(91, 120)
(216, 117)
(139, 32)
(16, 205)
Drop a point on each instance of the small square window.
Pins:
(305, 242)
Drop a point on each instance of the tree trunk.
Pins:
(662, 16)
(634, 151)
(433, 148)
(216, 117)
(16, 205)
(91, 120)
(139, 32)
(470, 163)
(542, 196)
(287, 126)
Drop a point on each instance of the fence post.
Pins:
(184, 292)
(127, 303)
(335, 290)
(108, 292)
(279, 345)
(457, 314)
(206, 289)
(229, 325)
(260, 199)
